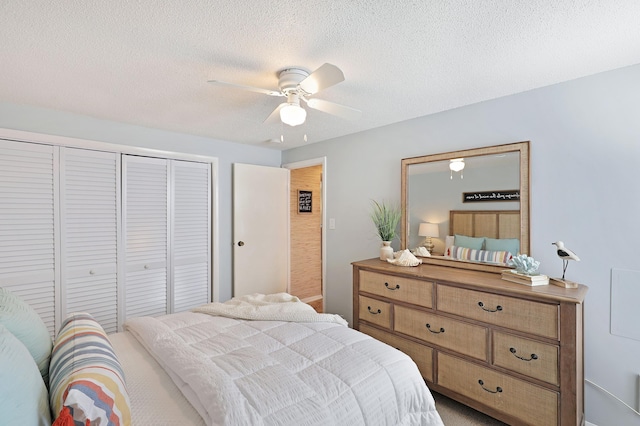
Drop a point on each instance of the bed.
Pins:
(483, 236)
(207, 367)
(498, 224)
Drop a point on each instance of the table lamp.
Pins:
(428, 230)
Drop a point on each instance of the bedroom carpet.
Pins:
(455, 414)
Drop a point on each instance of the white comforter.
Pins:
(238, 372)
(268, 307)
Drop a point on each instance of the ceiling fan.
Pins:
(297, 84)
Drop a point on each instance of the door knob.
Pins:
(240, 243)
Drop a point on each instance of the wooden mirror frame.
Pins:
(523, 149)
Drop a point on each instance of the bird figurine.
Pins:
(566, 255)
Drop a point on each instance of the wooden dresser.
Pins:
(511, 351)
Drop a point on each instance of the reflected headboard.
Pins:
(485, 223)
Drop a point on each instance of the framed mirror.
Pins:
(479, 194)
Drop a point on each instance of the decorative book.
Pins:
(517, 277)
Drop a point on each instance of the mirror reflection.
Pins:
(479, 193)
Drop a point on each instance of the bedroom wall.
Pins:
(585, 147)
(40, 120)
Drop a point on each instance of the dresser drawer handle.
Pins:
(497, 309)
(434, 332)
(372, 312)
(397, 287)
(498, 389)
(513, 351)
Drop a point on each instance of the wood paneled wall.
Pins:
(306, 238)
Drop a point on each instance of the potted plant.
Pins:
(385, 218)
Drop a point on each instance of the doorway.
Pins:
(307, 232)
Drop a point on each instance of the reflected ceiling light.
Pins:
(456, 165)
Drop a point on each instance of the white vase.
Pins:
(386, 251)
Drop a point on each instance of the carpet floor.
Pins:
(455, 414)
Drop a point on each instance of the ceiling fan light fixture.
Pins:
(456, 165)
(293, 114)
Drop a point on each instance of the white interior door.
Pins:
(28, 213)
(260, 229)
(145, 202)
(89, 222)
(190, 234)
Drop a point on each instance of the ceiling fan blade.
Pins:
(249, 88)
(334, 109)
(325, 76)
(274, 117)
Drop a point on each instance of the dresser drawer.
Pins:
(518, 314)
(375, 311)
(532, 404)
(398, 288)
(526, 356)
(420, 354)
(446, 332)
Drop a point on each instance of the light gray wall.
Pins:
(585, 148)
(39, 120)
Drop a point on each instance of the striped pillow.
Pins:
(488, 256)
(86, 377)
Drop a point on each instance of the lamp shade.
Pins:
(427, 229)
(292, 114)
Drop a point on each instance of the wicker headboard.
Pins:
(485, 223)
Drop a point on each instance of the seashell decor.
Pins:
(421, 251)
(404, 258)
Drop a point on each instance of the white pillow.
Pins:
(449, 241)
(23, 395)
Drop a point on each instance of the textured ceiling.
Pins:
(147, 62)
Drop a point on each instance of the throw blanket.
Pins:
(269, 307)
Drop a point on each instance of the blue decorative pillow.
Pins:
(23, 395)
(476, 243)
(512, 245)
(25, 324)
(87, 381)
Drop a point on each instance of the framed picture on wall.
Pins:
(484, 196)
(305, 201)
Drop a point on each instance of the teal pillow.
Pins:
(512, 245)
(23, 395)
(475, 243)
(25, 324)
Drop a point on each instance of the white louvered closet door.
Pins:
(90, 210)
(28, 214)
(191, 234)
(146, 230)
